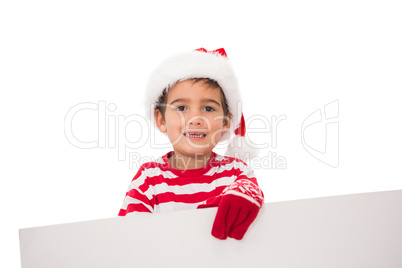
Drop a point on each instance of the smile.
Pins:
(195, 135)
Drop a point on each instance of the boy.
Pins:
(195, 96)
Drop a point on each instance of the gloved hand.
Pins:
(238, 206)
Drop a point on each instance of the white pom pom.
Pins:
(242, 148)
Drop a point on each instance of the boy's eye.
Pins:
(181, 108)
(209, 109)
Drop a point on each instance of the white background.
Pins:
(291, 59)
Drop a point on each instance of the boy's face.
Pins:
(194, 118)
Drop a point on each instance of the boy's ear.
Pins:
(160, 122)
(226, 123)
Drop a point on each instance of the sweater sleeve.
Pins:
(137, 199)
(246, 185)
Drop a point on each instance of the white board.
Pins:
(361, 230)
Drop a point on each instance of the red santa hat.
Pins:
(214, 65)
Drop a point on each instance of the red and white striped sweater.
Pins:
(157, 187)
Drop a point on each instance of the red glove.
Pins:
(238, 206)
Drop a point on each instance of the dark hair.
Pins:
(162, 100)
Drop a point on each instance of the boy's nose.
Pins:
(196, 121)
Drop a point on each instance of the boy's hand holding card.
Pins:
(238, 206)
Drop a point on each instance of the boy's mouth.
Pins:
(194, 135)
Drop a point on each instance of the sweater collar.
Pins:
(189, 172)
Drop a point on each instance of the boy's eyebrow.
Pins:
(203, 100)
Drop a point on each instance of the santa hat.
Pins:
(214, 65)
